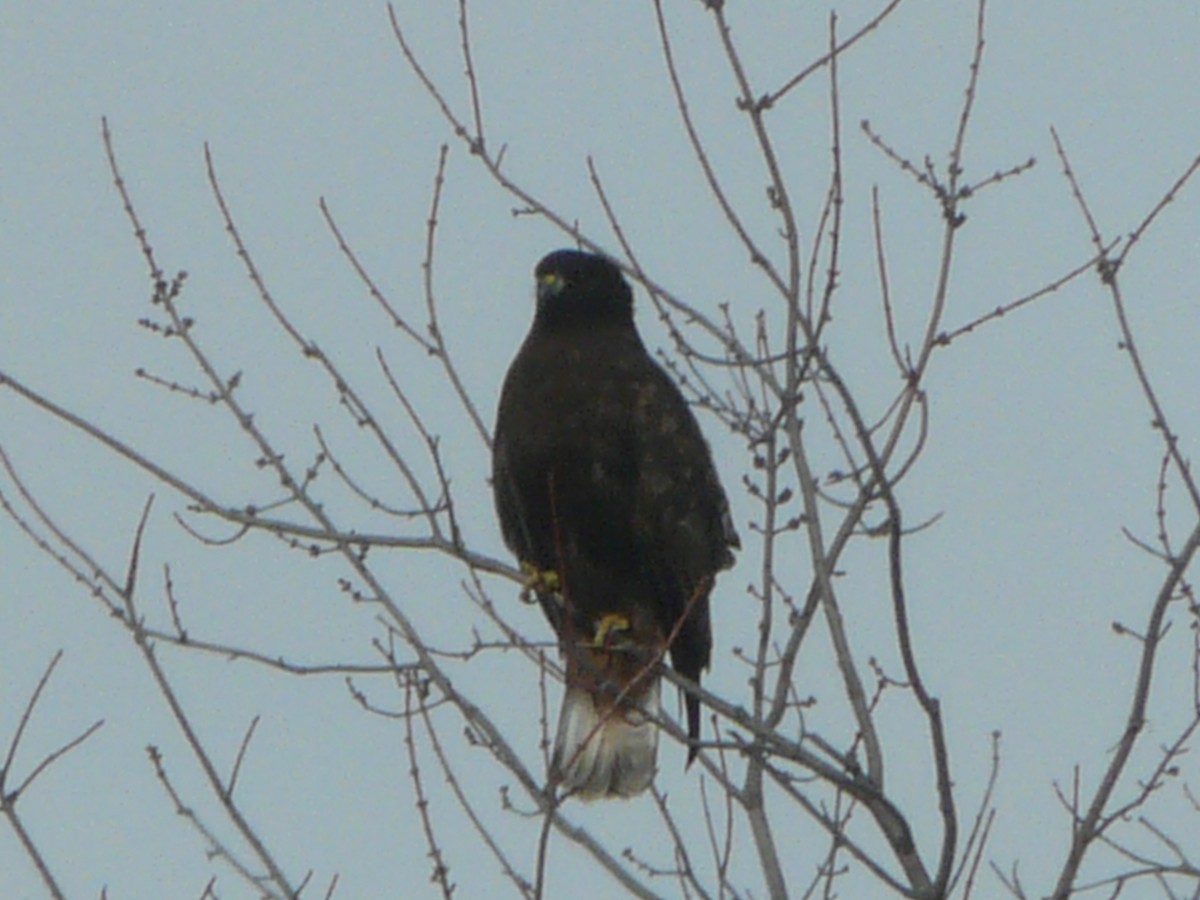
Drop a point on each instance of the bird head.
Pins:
(578, 287)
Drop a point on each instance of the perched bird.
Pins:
(606, 492)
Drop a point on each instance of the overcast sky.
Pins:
(1039, 451)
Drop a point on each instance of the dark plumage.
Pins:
(601, 476)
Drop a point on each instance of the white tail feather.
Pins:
(606, 752)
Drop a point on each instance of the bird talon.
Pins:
(607, 627)
(538, 581)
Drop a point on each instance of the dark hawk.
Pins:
(607, 494)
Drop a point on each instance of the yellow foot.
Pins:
(538, 581)
(607, 627)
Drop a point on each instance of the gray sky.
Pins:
(1039, 451)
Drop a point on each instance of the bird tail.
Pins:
(606, 746)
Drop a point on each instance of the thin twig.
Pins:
(830, 58)
(441, 871)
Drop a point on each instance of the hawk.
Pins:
(607, 494)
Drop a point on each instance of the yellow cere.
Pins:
(552, 280)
